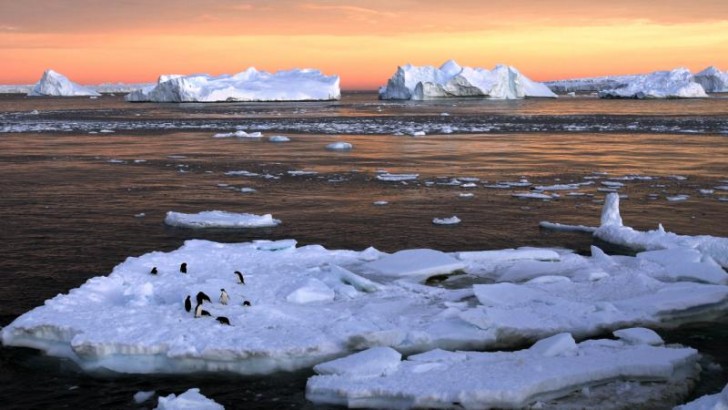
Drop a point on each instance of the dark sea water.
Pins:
(72, 198)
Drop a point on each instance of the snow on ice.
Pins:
(718, 401)
(248, 85)
(55, 84)
(451, 80)
(219, 219)
(713, 80)
(678, 83)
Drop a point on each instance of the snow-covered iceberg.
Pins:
(678, 83)
(451, 80)
(713, 80)
(248, 85)
(219, 219)
(53, 84)
(552, 368)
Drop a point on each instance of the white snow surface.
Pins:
(248, 85)
(451, 80)
(678, 83)
(552, 368)
(53, 84)
(219, 219)
(713, 80)
(718, 401)
(192, 399)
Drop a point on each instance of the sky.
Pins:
(362, 41)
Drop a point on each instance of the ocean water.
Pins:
(86, 183)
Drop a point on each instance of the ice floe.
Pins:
(192, 399)
(238, 134)
(142, 396)
(552, 368)
(678, 83)
(453, 220)
(278, 138)
(248, 85)
(219, 219)
(339, 146)
(451, 80)
(55, 84)
(386, 176)
(718, 401)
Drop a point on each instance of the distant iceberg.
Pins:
(248, 85)
(678, 83)
(53, 84)
(451, 80)
(713, 80)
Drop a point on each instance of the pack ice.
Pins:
(55, 84)
(248, 85)
(451, 80)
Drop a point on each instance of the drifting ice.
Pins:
(248, 85)
(678, 83)
(57, 85)
(189, 400)
(451, 80)
(219, 219)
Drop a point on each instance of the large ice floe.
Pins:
(297, 307)
(220, 219)
(678, 83)
(451, 80)
(53, 84)
(551, 368)
(248, 85)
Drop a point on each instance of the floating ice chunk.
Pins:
(466, 195)
(397, 177)
(248, 85)
(239, 134)
(532, 195)
(718, 401)
(706, 191)
(192, 399)
(612, 184)
(57, 85)
(562, 187)
(453, 220)
(722, 188)
(373, 362)
(298, 173)
(219, 219)
(278, 138)
(639, 335)
(566, 228)
(248, 190)
(142, 396)
(562, 344)
(339, 146)
(678, 177)
(612, 231)
(452, 80)
(313, 290)
(677, 198)
(678, 83)
(513, 379)
(418, 133)
(686, 264)
(380, 203)
(418, 263)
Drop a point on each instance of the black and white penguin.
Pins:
(183, 267)
(153, 271)
(201, 297)
(224, 297)
(246, 303)
(188, 303)
(199, 312)
(223, 320)
(241, 279)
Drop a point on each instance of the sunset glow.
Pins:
(362, 41)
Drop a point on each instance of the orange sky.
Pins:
(94, 41)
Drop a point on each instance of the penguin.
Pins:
(241, 279)
(188, 303)
(201, 297)
(183, 267)
(246, 303)
(223, 320)
(199, 312)
(153, 271)
(224, 297)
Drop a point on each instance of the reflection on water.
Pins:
(72, 204)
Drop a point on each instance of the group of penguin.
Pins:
(201, 297)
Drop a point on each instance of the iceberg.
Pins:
(678, 83)
(551, 369)
(248, 85)
(219, 219)
(713, 80)
(53, 84)
(189, 400)
(451, 80)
